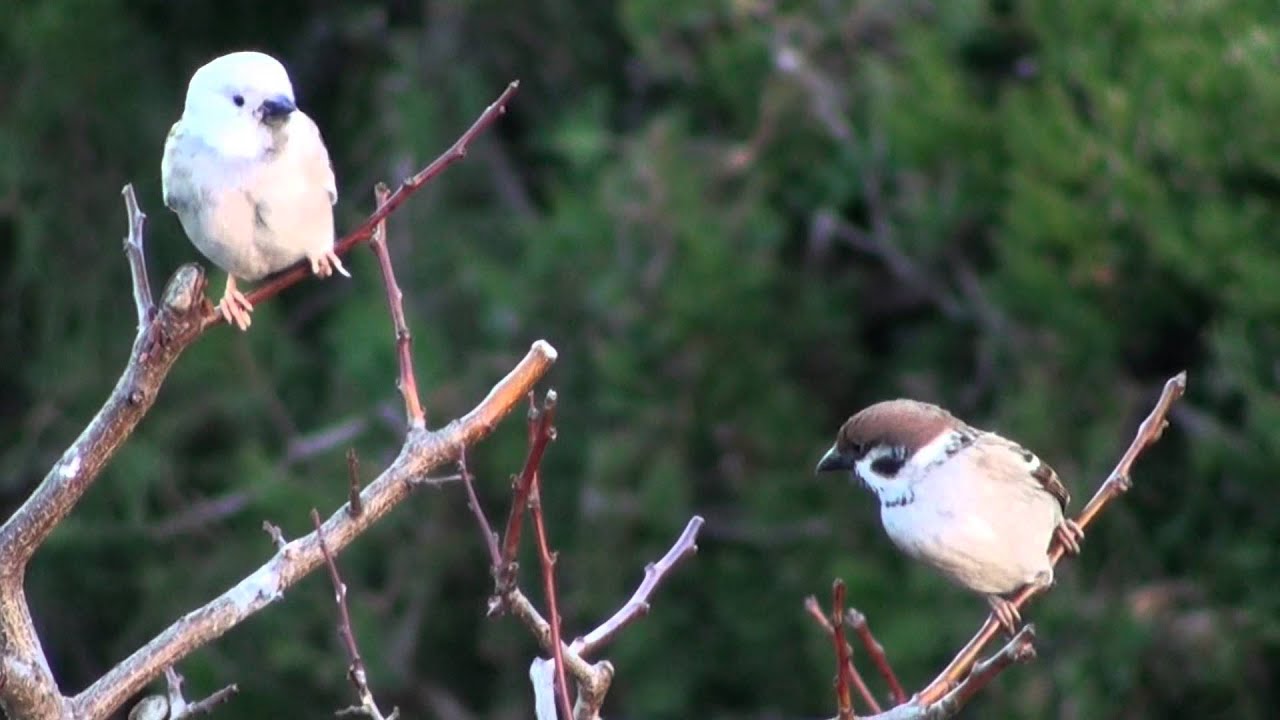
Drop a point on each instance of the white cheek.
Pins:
(890, 490)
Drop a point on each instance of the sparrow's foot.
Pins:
(1069, 534)
(1006, 613)
(234, 306)
(326, 263)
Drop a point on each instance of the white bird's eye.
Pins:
(238, 99)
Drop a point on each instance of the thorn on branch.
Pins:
(273, 530)
(354, 506)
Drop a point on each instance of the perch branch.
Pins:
(1115, 484)
(422, 452)
(365, 230)
(356, 671)
(407, 382)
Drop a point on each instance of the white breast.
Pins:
(977, 516)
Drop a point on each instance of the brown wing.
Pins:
(1049, 480)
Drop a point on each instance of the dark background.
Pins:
(739, 222)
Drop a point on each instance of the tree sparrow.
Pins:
(980, 509)
(249, 176)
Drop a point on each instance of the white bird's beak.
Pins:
(275, 109)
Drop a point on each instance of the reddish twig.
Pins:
(814, 609)
(410, 186)
(356, 671)
(1115, 484)
(354, 506)
(408, 381)
(638, 606)
(858, 622)
(544, 431)
(844, 702)
(539, 436)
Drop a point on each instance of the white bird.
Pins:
(975, 506)
(249, 176)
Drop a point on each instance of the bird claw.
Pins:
(1070, 535)
(325, 264)
(1006, 614)
(235, 308)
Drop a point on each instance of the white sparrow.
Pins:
(980, 509)
(249, 176)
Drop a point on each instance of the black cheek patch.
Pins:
(888, 466)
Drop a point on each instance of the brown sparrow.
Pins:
(980, 509)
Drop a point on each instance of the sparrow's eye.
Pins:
(238, 100)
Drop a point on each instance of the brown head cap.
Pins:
(902, 423)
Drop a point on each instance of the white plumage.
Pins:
(249, 176)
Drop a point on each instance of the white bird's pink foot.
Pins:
(234, 306)
(325, 264)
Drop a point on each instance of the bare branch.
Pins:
(423, 451)
(858, 622)
(356, 671)
(179, 708)
(407, 382)
(473, 502)
(814, 609)
(539, 436)
(638, 606)
(544, 426)
(1115, 484)
(844, 702)
(134, 251)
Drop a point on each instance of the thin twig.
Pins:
(538, 439)
(638, 606)
(134, 251)
(179, 708)
(1116, 484)
(858, 622)
(844, 701)
(356, 671)
(354, 506)
(364, 231)
(545, 428)
(408, 381)
(473, 502)
(815, 611)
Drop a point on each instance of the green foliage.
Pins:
(739, 222)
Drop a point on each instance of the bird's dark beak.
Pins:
(834, 460)
(275, 109)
